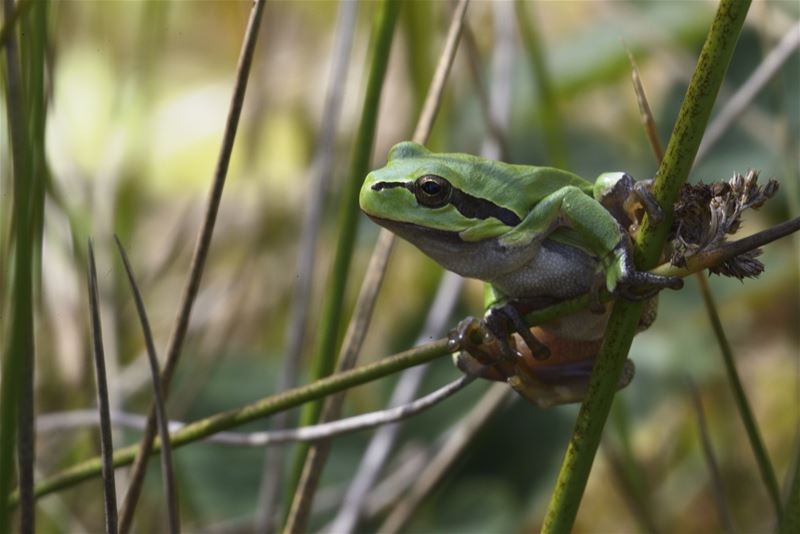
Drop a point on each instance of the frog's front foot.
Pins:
(502, 321)
(642, 193)
(639, 285)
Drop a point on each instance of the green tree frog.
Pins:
(535, 235)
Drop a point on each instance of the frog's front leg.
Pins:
(594, 229)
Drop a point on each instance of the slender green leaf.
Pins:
(327, 344)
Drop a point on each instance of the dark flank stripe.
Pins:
(466, 204)
(480, 208)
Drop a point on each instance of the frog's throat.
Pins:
(413, 232)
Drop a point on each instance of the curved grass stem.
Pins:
(257, 410)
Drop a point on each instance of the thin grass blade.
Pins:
(103, 407)
(711, 461)
(199, 256)
(167, 469)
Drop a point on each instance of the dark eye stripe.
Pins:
(389, 185)
(466, 204)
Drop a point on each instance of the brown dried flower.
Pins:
(706, 213)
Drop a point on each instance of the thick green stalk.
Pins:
(10, 20)
(327, 346)
(672, 173)
(26, 107)
(257, 410)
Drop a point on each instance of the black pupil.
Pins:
(431, 187)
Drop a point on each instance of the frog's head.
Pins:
(419, 190)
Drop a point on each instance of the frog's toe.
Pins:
(654, 283)
(642, 192)
(639, 285)
(502, 321)
(467, 336)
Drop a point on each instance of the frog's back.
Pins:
(518, 187)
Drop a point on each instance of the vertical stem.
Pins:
(297, 330)
(25, 104)
(672, 173)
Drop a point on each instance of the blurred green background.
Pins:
(138, 95)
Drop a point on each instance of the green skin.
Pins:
(535, 234)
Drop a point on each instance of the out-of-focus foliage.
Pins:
(139, 92)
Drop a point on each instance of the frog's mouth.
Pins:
(415, 232)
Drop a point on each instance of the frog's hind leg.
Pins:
(549, 385)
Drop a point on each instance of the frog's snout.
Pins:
(366, 192)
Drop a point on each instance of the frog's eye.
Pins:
(432, 191)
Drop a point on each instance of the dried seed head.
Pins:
(706, 213)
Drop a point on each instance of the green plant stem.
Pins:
(690, 125)
(672, 173)
(316, 456)
(790, 522)
(11, 19)
(591, 418)
(745, 412)
(16, 388)
(742, 404)
(257, 410)
(101, 384)
(327, 344)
